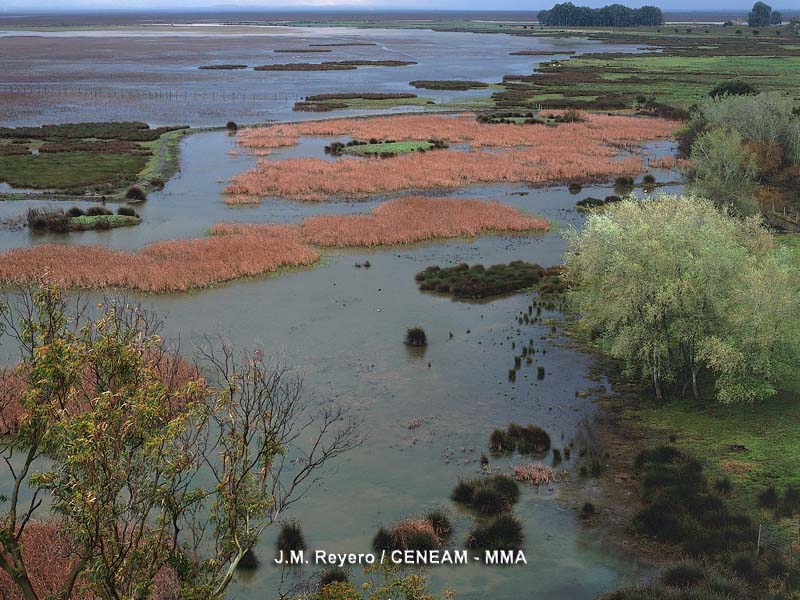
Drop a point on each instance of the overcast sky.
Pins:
(61, 5)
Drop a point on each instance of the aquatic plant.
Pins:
(478, 281)
(540, 372)
(440, 522)
(383, 540)
(587, 510)
(247, 250)
(530, 439)
(413, 534)
(503, 532)
(249, 561)
(501, 442)
(415, 336)
(75, 211)
(332, 575)
(489, 495)
(570, 152)
(290, 537)
(126, 211)
(97, 211)
(136, 194)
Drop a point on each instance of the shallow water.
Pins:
(149, 74)
(342, 327)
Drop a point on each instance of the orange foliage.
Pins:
(49, 559)
(241, 250)
(531, 154)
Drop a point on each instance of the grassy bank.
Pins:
(98, 159)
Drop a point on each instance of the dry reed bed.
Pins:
(172, 266)
(583, 151)
(403, 221)
(248, 250)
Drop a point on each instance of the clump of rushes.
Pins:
(75, 211)
(415, 337)
(249, 561)
(440, 522)
(488, 495)
(427, 533)
(540, 372)
(587, 510)
(501, 442)
(723, 485)
(503, 532)
(768, 498)
(333, 575)
(290, 537)
(649, 179)
(575, 188)
(231, 126)
(686, 573)
(97, 211)
(530, 439)
(126, 211)
(136, 194)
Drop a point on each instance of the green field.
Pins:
(389, 147)
(71, 171)
(100, 159)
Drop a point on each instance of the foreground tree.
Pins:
(116, 433)
(675, 288)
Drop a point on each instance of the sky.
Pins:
(485, 5)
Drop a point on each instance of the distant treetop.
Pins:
(567, 14)
(763, 15)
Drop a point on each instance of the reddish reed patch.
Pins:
(581, 151)
(247, 250)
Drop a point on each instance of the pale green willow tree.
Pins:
(146, 466)
(725, 170)
(675, 287)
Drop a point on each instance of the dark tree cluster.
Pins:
(567, 14)
(763, 15)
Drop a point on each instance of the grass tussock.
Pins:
(487, 496)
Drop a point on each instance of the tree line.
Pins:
(566, 14)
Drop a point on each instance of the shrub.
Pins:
(723, 485)
(587, 510)
(684, 574)
(575, 188)
(745, 566)
(768, 498)
(415, 336)
(333, 575)
(500, 441)
(463, 491)
(735, 87)
(530, 439)
(249, 561)
(231, 126)
(649, 179)
(290, 537)
(790, 502)
(383, 540)
(503, 532)
(97, 211)
(75, 211)
(136, 194)
(47, 219)
(126, 211)
(440, 522)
